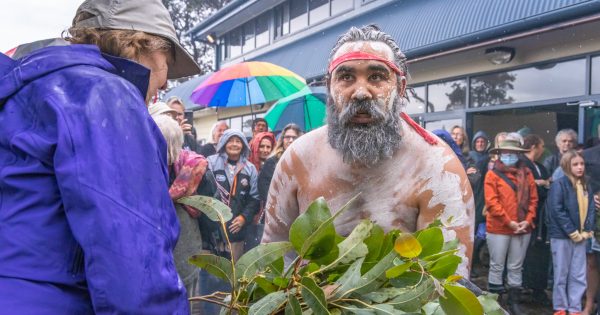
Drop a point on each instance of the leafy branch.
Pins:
(367, 272)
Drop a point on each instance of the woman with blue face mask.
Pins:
(511, 200)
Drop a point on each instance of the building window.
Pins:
(445, 124)
(546, 81)
(282, 20)
(298, 15)
(340, 6)
(249, 44)
(223, 48)
(449, 95)
(235, 43)
(262, 30)
(416, 103)
(319, 11)
(596, 75)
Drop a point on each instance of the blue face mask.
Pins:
(509, 159)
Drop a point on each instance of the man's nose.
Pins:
(361, 93)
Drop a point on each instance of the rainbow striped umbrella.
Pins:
(247, 83)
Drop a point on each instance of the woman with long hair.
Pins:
(461, 138)
(288, 135)
(571, 222)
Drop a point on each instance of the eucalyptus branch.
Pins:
(234, 282)
(204, 299)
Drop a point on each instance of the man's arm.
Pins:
(448, 196)
(282, 203)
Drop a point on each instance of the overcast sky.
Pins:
(24, 21)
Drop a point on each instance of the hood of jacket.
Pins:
(480, 134)
(14, 74)
(233, 133)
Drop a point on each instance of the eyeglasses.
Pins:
(288, 138)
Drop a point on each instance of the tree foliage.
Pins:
(185, 15)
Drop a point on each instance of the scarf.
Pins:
(255, 147)
(520, 172)
(582, 201)
(189, 170)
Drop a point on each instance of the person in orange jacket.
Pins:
(511, 200)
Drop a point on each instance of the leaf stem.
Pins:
(206, 299)
(234, 280)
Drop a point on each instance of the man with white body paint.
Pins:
(405, 176)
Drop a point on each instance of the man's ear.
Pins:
(327, 82)
(402, 86)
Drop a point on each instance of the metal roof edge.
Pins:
(548, 18)
(231, 6)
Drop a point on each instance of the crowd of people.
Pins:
(94, 163)
(535, 210)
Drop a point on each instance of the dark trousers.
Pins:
(537, 262)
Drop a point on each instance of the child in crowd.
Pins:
(571, 221)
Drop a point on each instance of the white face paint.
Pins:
(379, 47)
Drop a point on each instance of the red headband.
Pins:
(359, 55)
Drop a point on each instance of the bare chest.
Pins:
(384, 195)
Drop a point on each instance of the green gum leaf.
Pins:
(459, 300)
(211, 207)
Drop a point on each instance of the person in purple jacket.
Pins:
(86, 222)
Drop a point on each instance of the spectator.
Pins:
(258, 125)
(236, 180)
(188, 175)
(461, 138)
(189, 133)
(511, 201)
(288, 135)
(216, 132)
(571, 222)
(480, 155)
(565, 139)
(87, 222)
(481, 144)
(538, 257)
(592, 170)
(261, 147)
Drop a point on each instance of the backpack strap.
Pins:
(506, 179)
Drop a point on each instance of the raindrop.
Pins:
(104, 122)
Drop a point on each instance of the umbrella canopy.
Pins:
(185, 89)
(305, 108)
(27, 48)
(247, 83)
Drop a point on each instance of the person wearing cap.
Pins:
(87, 224)
(405, 176)
(511, 200)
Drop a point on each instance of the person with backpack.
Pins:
(511, 200)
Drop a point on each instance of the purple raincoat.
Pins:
(86, 221)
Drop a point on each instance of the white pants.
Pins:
(509, 249)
